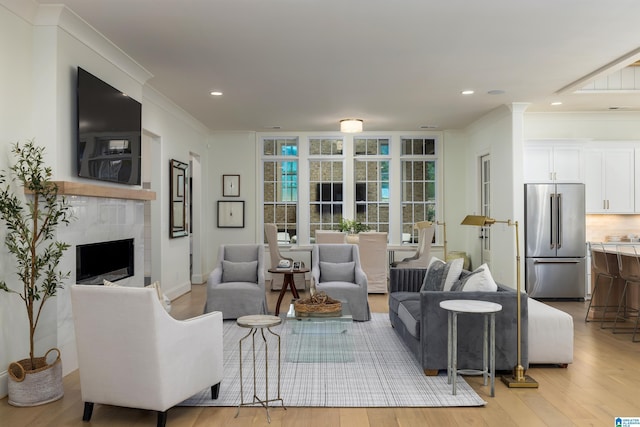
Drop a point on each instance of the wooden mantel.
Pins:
(69, 188)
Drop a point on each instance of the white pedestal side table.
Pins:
(488, 310)
(255, 323)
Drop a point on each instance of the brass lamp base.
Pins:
(525, 382)
(519, 379)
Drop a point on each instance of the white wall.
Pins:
(44, 45)
(15, 125)
(231, 153)
(493, 135)
(606, 125)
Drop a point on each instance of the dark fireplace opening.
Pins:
(100, 261)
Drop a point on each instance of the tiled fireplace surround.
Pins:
(98, 219)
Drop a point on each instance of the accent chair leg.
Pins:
(162, 418)
(215, 391)
(88, 411)
(431, 372)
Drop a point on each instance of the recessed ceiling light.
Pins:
(276, 127)
(556, 103)
(216, 93)
(467, 92)
(428, 127)
(496, 92)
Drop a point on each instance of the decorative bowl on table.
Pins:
(318, 305)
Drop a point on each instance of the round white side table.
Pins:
(488, 310)
(255, 323)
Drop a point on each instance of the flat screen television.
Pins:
(109, 132)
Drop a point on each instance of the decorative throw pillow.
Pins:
(462, 281)
(337, 271)
(479, 280)
(240, 271)
(441, 275)
(436, 275)
(453, 274)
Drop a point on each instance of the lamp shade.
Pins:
(351, 125)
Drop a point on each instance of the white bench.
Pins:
(550, 335)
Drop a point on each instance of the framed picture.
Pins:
(231, 185)
(230, 214)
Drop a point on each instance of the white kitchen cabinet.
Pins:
(609, 180)
(552, 162)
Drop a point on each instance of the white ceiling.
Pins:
(304, 64)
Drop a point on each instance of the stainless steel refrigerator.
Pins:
(555, 246)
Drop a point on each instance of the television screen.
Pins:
(109, 132)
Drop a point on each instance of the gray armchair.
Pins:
(236, 286)
(336, 270)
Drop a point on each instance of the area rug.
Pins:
(362, 365)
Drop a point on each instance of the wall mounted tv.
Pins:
(109, 132)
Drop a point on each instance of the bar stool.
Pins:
(600, 264)
(631, 275)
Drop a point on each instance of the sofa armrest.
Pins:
(406, 279)
(433, 331)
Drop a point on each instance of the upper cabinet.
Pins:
(610, 179)
(550, 161)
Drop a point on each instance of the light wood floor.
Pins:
(602, 383)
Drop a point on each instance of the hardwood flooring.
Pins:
(603, 382)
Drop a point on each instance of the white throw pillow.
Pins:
(481, 281)
(455, 268)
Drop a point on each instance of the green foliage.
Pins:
(352, 226)
(31, 224)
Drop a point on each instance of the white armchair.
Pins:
(132, 353)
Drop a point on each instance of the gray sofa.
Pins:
(418, 319)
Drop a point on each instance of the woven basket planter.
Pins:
(35, 385)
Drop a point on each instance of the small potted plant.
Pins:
(352, 226)
(31, 222)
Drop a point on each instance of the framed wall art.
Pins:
(230, 214)
(231, 185)
(178, 200)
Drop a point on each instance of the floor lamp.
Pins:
(518, 379)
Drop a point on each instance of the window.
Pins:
(280, 177)
(371, 177)
(326, 171)
(419, 167)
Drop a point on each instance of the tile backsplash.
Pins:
(601, 226)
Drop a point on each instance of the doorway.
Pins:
(485, 207)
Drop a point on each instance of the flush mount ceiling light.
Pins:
(351, 125)
(216, 93)
(467, 92)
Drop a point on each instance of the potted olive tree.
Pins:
(31, 221)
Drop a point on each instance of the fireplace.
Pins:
(112, 261)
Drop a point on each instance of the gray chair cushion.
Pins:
(240, 271)
(337, 271)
